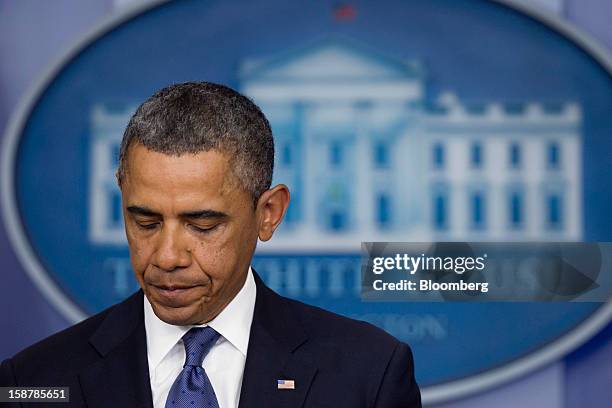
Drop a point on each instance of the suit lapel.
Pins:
(121, 377)
(276, 335)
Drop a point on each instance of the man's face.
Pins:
(191, 229)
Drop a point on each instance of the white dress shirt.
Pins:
(224, 364)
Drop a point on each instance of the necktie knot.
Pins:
(198, 342)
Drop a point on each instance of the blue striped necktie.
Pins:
(192, 388)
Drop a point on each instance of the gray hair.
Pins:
(193, 117)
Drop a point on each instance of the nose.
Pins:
(171, 252)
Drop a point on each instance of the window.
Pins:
(291, 214)
(286, 154)
(381, 155)
(337, 220)
(115, 148)
(478, 210)
(515, 206)
(337, 207)
(515, 156)
(554, 209)
(116, 209)
(553, 155)
(476, 155)
(438, 156)
(440, 216)
(383, 210)
(335, 154)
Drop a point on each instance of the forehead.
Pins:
(172, 179)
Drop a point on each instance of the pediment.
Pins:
(328, 60)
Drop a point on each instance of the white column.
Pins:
(571, 163)
(534, 150)
(311, 162)
(365, 190)
(496, 171)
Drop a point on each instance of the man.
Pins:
(195, 173)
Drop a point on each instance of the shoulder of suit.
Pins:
(63, 350)
(358, 349)
(323, 324)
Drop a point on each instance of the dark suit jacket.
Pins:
(335, 362)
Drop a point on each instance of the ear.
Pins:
(271, 208)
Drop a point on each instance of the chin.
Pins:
(178, 316)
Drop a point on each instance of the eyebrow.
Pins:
(135, 209)
(197, 214)
(201, 214)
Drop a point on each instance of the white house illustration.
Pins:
(368, 157)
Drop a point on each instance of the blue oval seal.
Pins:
(395, 121)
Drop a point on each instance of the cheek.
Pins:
(218, 258)
(214, 258)
(139, 254)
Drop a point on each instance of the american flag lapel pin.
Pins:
(285, 384)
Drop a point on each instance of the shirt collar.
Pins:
(233, 324)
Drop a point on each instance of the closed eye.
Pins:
(201, 230)
(148, 226)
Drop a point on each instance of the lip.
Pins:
(173, 293)
(173, 287)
